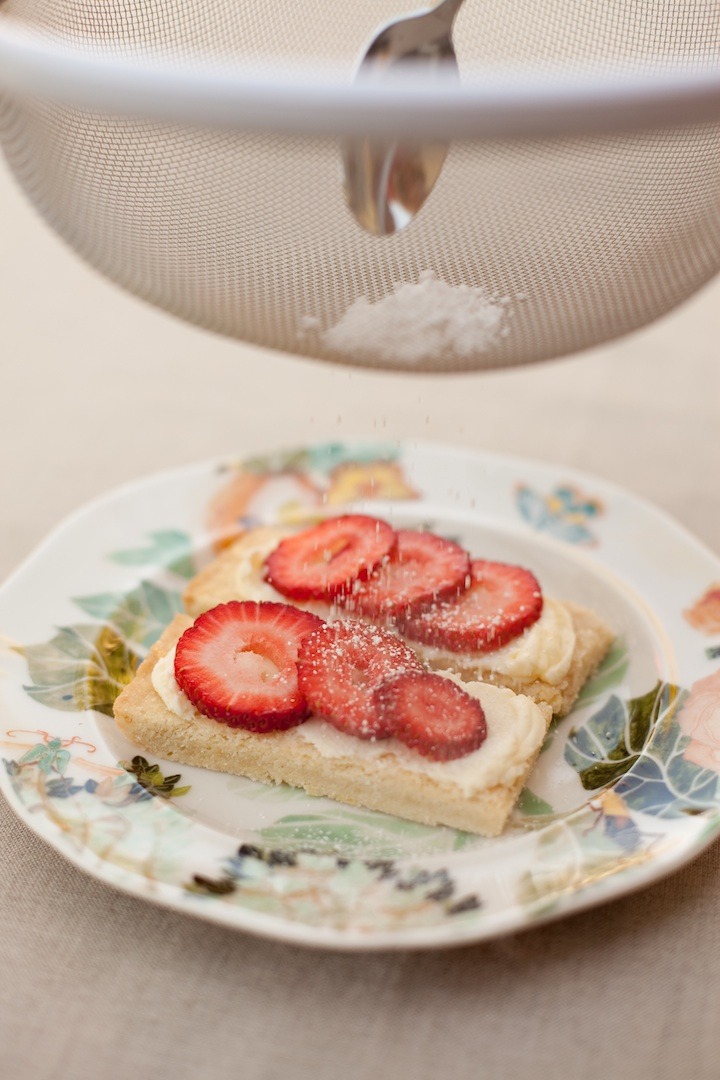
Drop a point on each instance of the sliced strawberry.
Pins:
(238, 663)
(500, 603)
(323, 562)
(423, 568)
(341, 665)
(431, 714)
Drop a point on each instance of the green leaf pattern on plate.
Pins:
(86, 666)
(611, 740)
(49, 757)
(152, 780)
(81, 667)
(170, 548)
(639, 746)
(609, 674)
(531, 805)
(362, 832)
(140, 615)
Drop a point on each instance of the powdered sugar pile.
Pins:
(420, 324)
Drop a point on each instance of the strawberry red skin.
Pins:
(431, 715)
(237, 663)
(340, 666)
(423, 568)
(323, 562)
(501, 602)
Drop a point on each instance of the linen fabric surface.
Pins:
(99, 389)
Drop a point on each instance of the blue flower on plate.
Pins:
(563, 513)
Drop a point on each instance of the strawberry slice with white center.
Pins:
(431, 715)
(422, 569)
(500, 603)
(238, 663)
(323, 562)
(340, 666)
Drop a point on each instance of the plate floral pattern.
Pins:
(626, 789)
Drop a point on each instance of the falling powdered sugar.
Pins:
(420, 324)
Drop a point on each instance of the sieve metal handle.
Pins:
(505, 104)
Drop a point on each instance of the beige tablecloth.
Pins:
(98, 389)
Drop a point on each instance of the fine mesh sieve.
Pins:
(192, 152)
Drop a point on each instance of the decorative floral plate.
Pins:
(625, 790)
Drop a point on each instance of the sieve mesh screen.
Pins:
(580, 239)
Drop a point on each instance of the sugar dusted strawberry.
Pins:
(431, 715)
(423, 568)
(323, 562)
(500, 603)
(238, 663)
(340, 666)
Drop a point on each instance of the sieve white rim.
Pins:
(508, 104)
